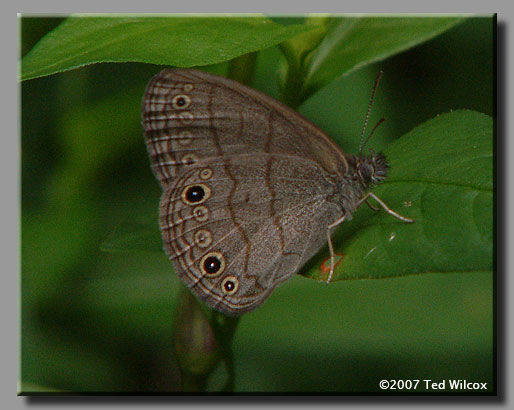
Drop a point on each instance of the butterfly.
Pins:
(251, 189)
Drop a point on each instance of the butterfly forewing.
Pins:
(189, 115)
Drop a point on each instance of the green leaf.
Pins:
(295, 51)
(176, 41)
(296, 48)
(441, 176)
(352, 43)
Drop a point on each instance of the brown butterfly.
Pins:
(251, 189)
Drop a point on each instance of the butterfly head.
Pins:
(372, 169)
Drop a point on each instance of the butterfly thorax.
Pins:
(363, 173)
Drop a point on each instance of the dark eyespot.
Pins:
(180, 102)
(230, 285)
(196, 194)
(212, 264)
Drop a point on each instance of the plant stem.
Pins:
(292, 87)
(201, 339)
(293, 81)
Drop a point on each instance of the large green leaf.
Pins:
(442, 176)
(354, 42)
(178, 41)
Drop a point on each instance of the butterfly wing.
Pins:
(245, 185)
(189, 115)
(235, 229)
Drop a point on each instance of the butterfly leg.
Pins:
(371, 206)
(331, 247)
(384, 206)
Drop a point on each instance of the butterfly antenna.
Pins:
(361, 145)
(371, 133)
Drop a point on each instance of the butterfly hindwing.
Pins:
(248, 225)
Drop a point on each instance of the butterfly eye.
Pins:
(380, 168)
(230, 285)
(366, 171)
(196, 194)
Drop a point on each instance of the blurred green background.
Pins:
(94, 321)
